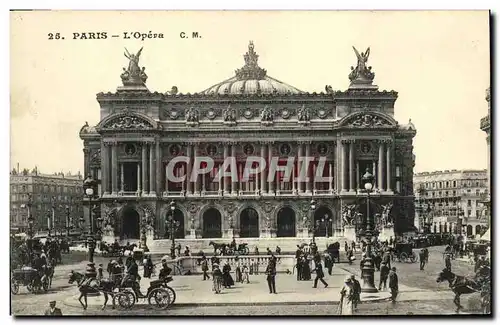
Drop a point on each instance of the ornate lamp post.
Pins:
(48, 222)
(172, 226)
(312, 209)
(89, 192)
(81, 223)
(368, 271)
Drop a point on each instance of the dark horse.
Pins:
(222, 247)
(459, 284)
(105, 286)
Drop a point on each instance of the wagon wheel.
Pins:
(29, 287)
(14, 287)
(245, 251)
(414, 258)
(159, 298)
(171, 293)
(124, 299)
(45, 285)
(403, 257)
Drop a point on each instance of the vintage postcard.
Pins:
(250, 163)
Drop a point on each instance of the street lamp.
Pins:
(68, 226)
(172, 225)
(368, 271)
(89, 186)
(48, 222)
(313, 208)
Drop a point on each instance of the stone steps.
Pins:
(287, 244)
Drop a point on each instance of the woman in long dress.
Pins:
(346, 298)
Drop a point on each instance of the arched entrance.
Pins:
(286, 222)
(130, 224)
(478, 230)
(323, 220)
(179, 219)
(249, 223)
(446, 227)
(212, 224)
(469, 230)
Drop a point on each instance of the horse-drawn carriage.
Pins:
(403, 252)
(228, 249)
(30, 278)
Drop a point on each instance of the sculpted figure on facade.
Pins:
(192, 115)
(348, 214)
(362, 73)
(193, 225)
(386, 215)
(229, 115)
(127, 122)
(329, 89)
(304, 114)
(133, 75)
(368, 120)
(266, 115)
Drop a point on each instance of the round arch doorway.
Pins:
(130, 224)
(323, 219)
(249, 223)
(212, 224)
(286, 222)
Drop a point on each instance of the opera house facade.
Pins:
(250, 114)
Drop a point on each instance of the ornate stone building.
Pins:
(250, 114)
(485, 126)
(453, 199)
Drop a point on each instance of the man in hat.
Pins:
(271, 276)
(384, 274)
(356, 291)
(217, 278)
(393, 284)
(165, 270)
(319, 274)
(346, 298)
(204, 268)
(53, 310)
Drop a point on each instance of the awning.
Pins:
(486, 236)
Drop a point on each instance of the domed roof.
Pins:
(251, 79)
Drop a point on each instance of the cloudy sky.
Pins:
(437, 61)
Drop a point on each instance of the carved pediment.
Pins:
(368, 120)
(128, 121)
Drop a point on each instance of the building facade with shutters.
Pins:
(141, 133)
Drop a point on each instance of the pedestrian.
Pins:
(217, 278)
(204, 268)
(244, 274)
(110, 268)
(271, 277)
(299, 268)
(391, 241)
(447, 261)
(329, 263)
(100, 273)
(356, 291)
(346, 298)
(319, 274)
(353, 246)
(226, 276)
(384, 274)
(237, 271)
(148, 267)
(421, 256)
(393, 284)
(346, 246)
(53, 310)
(278, 250)
(256, 251)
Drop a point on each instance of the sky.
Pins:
(438, 62)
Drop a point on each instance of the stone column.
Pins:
(105, 168)
(189, 186)
(374, 173)
(330, 175)
(358, 185)
(144, 170)
(299, 168)
(269, 157)
(159, 171)
(86, 159)
(351, 166)
(308, 182)
(388, 168)
(122, 178)
(138, 178)
(380, 175)
(114, 169)
(151, 171)
(219, 168)
(263, 172)
(196, 187)
(226, 179)
(234, 183)
(343, 168)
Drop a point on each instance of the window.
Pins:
(24, 188)
(469, 203)
(447, 184)
(454, 183)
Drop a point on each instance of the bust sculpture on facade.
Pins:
(361, 74)
(133, 75)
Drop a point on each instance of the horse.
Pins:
(217, 246)
(459, 284)
(104, 286)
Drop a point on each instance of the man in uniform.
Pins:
(319, 274)
(393, 284)
(271, 276)
(356, 287)
(53, 310)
